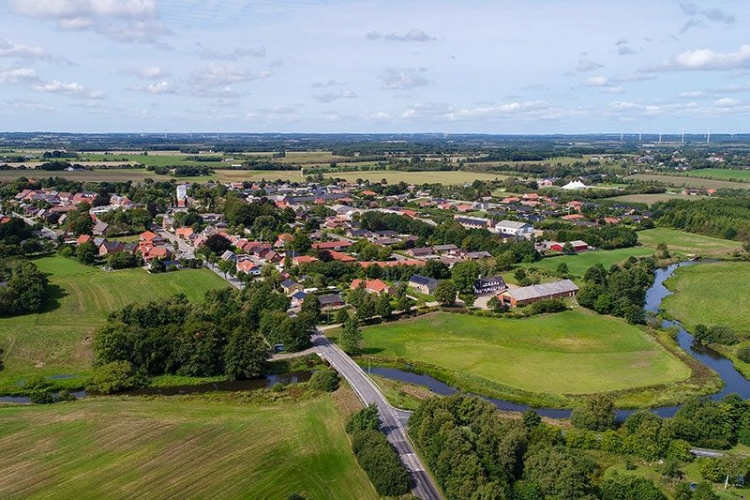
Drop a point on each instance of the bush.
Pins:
(41, 398)
(712, 470)
(325, 380)
(65, 395)
(626, 487)
(743, 354)
(363, 420)
(114, 377)
(596, 413)
(548, 306)
(381, 463)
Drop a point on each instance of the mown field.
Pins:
(652, 198)
(711, 294)
(579, 263)
(684, 243)
(571, 353)
(178, 448)
(58, 340)
(724, 174)
(694, 182)
(392, 176)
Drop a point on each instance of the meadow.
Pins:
(724, 174)
(651, 198)
(693, 182)
(394, 176)
(683, 243)
(579, 263)
(179, 447)
(571, 353)
(711, 294)
(57, 341)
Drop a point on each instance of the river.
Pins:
(734, 382)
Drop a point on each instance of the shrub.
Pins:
(597, 413)
(626, 487)
(325, 380)
(114, 377)
(381, 463)
(548, 306)
(743, 354)
(66, 395)
(41, 398)
(712, 470)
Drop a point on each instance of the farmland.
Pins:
(684, 243)
(724, 174)
(571, 353)
(179, 448)
(711, 294)
(579, 263)
(693, 182)
(651, 198)
(394, 176)
(57, 341)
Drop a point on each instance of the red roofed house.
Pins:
(331, 245)
(367, 192)
(184, 232)
(248, 267)
(372, 286)
(304, 259)
(341, 256)
(151, 238)
(84, 238)
(150, 253)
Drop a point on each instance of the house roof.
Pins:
(543, 290)
(423, 280)
(376, 285)
(330, 298)
(512, 224)
(494, 281)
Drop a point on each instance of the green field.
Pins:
(571, 353)
(578, 264)
(694, 182)
(650, 199)
(58, 340)
(711, 294)
(178, 448)
(724, 174)
(684, 243)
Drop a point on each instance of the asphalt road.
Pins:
(393, 422)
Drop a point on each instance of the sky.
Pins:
(387, 66)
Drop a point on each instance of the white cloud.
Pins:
(221, 75)
(414, 35)
(326, 97)
(122, 20)
(17, 51)
(235, 54)
(587, 65)
(28, 105)
(157, 88)
(597, 81)
(152, 72)
(726, 102)
(74, 90)
(18, 75)
(706, 60)
(401, 79)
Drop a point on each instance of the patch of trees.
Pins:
(606, 237)
(375, 454)
(135, 220)
(181, 170)
(716, 334)
(22, 287)
(619, 291)
(219, 336)
(727, 218)
(262, 216)
(14, 231)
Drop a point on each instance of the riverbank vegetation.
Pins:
(263, 444)
(546, 360)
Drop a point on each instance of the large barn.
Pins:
(530, 294)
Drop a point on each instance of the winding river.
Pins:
(734, 382)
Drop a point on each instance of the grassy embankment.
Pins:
(262, 445)
(713, 294)
(546, 360)
(57, 341)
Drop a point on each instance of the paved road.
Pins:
(393, 422)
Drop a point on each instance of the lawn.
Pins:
(681, 242)
(178, 448)
(712, 294)
(571, 353)
(58, 340)
(578, 264)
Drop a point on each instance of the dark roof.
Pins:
(287, 283)
(423, 280)
(331, 298)
(482, 282)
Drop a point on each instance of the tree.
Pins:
(86, 253)
(218, 244)
(437, 269)
(383, 306)
(468, 299)
(342, 315)
(325, 380)
(562, 270)
(114, 377)
(79, 221)
(121, 260)
(226, 266)
(351, 336)
(626, 487)
(311, 306)
(244, 355)
(464, 274)
(445, 293)
(596, 413)
(662, 251)
(497, 305)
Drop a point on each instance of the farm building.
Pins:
(530, 294)
(578, 246)
(514, 228)
(423, 284)
(485, 285)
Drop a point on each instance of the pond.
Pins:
(734, 382)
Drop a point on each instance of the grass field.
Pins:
(684, 243)
(694, 182)
(724, 174)
(571, 353)
(578, 264)
(649, 199)
(58, 340)
(712, 294)
(178, 448)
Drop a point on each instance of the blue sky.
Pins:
(525, 67)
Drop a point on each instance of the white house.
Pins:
(514, 228)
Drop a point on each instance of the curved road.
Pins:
(393, 422)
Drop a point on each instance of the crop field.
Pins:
(578, 264)
(99, 175)
(178, 448)
(684, 243)
(693, 182)
(393, 177)
(711, 294)
(570, 353)
(57, 341)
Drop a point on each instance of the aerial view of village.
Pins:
(231, 267)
